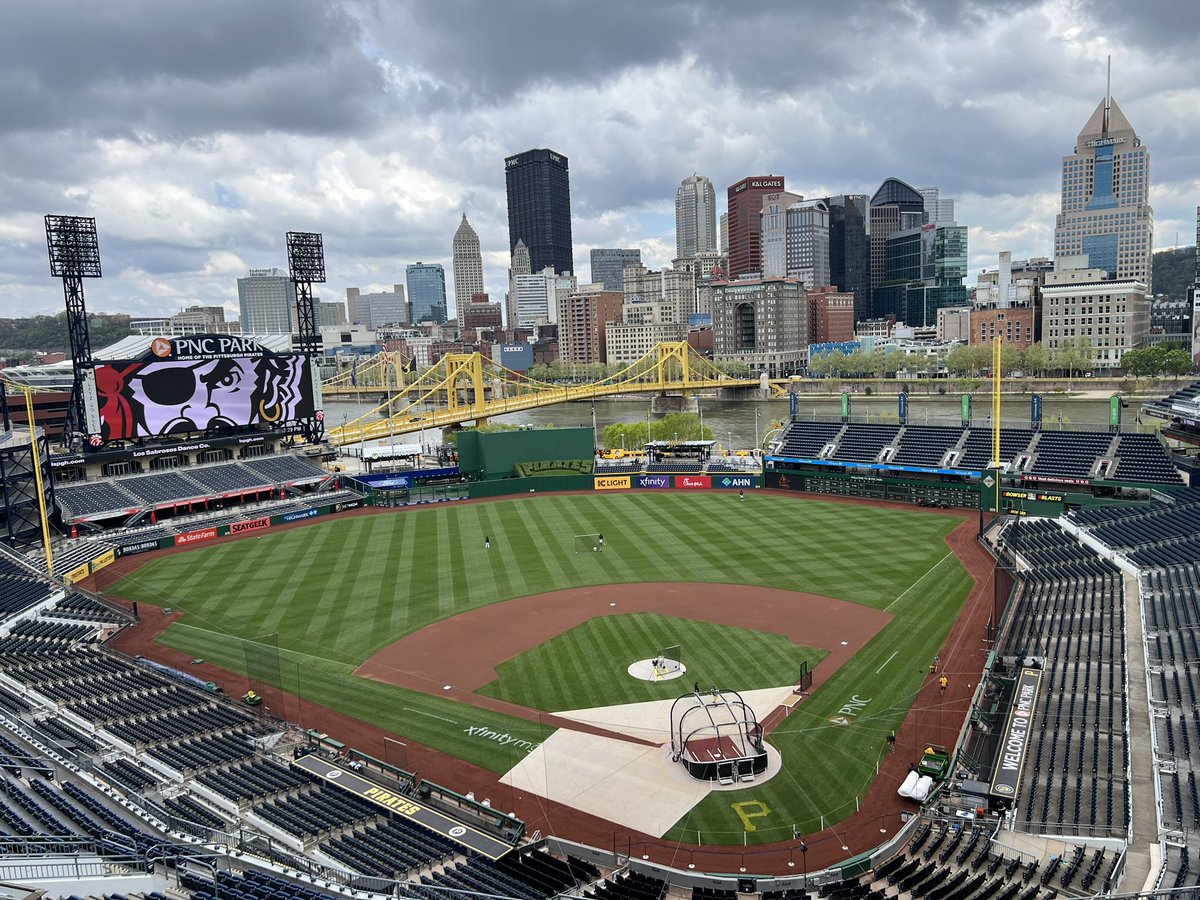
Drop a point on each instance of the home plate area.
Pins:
(632, 784)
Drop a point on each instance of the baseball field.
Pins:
(410, 622)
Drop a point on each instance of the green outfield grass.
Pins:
(331, 594)
(588, 665)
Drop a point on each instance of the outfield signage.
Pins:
(347, 504)
(139, 547)
(195, 537)
(392, 481)
(653, 481)
(105, 559)
(1014, 746)
(250, 525)
(693, 482)
(297, 516)
(1055, 479)
(837, 464)
(733, 481)
(77, 574)
(465, 836)
(613, 482)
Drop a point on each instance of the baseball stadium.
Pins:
(244, 656)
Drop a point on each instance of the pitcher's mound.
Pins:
(660, 669)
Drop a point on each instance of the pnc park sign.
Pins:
(1014, 746)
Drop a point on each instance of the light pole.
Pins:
(757, 433)
(804, 855)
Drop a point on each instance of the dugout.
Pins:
(487, 455)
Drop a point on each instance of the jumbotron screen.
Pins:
(188, 385)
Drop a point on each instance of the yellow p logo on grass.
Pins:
(750, 809)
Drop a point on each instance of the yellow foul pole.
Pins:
(996, 412)
(37, 477)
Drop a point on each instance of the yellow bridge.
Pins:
(466, 387)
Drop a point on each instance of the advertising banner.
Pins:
(77, 574)
(966, 410)
(1114, 412)
(653, 481)
(741, 482)
(138, 547)
(793, 406)
(298, 515)
(106, 559)
(198, 382)
(845, 406)
(903, 407)
(613, 482)
(1035, 412)
(195, 537)
(251, 525)
(1015, 743)
(693, 482)
(347, 504)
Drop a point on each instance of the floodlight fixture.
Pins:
(74, 249)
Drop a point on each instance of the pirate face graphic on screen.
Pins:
(172, 397)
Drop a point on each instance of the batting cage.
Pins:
(716, 736)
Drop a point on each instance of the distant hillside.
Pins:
(1174, 271)
(49, 333)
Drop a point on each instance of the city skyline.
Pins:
(172, 139)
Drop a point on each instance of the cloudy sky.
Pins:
(198, 133)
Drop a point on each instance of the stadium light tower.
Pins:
(74, 256)
(306, 262)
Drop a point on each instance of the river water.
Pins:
(733, 421)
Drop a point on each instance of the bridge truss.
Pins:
(466, 387)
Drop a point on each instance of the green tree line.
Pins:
(1074, 358)
(48, 334)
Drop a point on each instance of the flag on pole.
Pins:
(354, 372)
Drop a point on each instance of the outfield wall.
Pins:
(202, 534)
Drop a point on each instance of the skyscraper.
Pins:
(745, 199)
(468, 265)
(426, 291)
(539, 208)
(896, 206)
(519, 265)
(1105, 210)
(267, 301)
(849, 261)
(695, 217)
(608, 266)
(808, 242)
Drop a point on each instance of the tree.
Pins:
(1141, 363)
(732, 368)
(960, 361)
(1074, 356)
(673, 426)
(1177, 362)
(822, 365)
(1037, 359)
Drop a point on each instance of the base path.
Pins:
(934, 716)
(483, 638)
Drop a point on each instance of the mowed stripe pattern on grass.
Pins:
(829, 763)
(342, 590)
(587, 666)
(336, 592)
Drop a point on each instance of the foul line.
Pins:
(886, 661)
(421, 712)
(919, 580)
